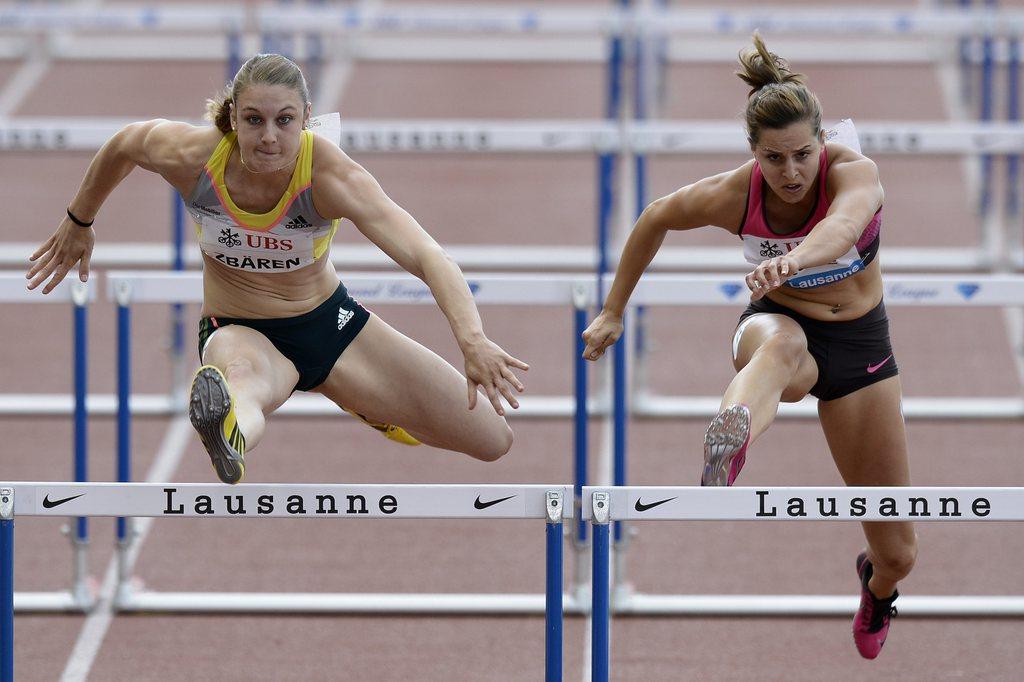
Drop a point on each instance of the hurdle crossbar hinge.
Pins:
(79, 293)
(580, 296)
(123, 292)
(7, 504)
(600, 503)
(554, 506)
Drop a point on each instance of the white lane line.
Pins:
(94, 630)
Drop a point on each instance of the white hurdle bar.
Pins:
(900, 290)
(302, 501)
(603, 506)
(921, 138)
(13, 289)
(509, 20)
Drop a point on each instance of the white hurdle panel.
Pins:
(900, 290)
(132, 287)
(602, 506)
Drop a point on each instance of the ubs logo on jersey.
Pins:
(262, 241)
(770, 250)
(229, 239)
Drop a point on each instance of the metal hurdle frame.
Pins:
(128, 288)
(79, 294)
(603, 506)
(161, 500)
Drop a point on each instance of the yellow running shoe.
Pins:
(212, 412)
(390, 431)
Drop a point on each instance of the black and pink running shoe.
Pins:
(871, 624)
(725, 446)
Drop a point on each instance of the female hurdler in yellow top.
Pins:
(267, 195)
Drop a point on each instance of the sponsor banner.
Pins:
(813, 504)
(284, 501)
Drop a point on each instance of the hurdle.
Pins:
(303, 501)
(78, 294)
(603, 506)
(128, 288)
(900, 290)
(723, 290)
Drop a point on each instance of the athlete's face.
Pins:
(269, 120)
(789, 160)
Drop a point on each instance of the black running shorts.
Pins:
(313, 341)
(850, 355)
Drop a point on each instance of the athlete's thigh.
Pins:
(269, 376)
(866, 434)
(753, 332)
(386, 376)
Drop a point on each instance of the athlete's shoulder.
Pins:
(167, 146)
(330, 159)
(849, 169)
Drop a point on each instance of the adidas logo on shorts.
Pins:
(298, 223)
(343, 317)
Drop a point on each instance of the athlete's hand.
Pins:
(69, 245)
(770, 275)
(490, 367)
(602, 333)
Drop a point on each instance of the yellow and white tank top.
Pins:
(289, 237)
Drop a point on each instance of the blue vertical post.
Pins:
(987, 91)
(580, 435)
(234, 61)
(1013, 116)
(7, 585)
(599, 612)
(966, 62)
(619, 415)
(124, 416)
(81, 336)
(553, 593)
(177, 309)
(606, 160)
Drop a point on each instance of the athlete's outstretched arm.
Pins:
(342, 188)
(858, 196)
(149, 144)
(711, 201)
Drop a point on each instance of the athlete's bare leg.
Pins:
(772, 365)
(866, 435)
(388, 377)
(259, 377)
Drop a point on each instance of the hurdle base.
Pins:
(633, 604)
(304, 602)
(53, 602)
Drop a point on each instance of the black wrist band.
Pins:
(78, 222)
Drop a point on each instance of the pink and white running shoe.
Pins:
(871, 624)
(725, 446)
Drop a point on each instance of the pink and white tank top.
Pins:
(760, 242)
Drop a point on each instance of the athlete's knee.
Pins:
(496, 445)
(784, 347)
(897, 560)
(239, 368)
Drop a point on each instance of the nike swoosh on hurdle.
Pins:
(641, 507)
(50, 504)
(484, 505)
